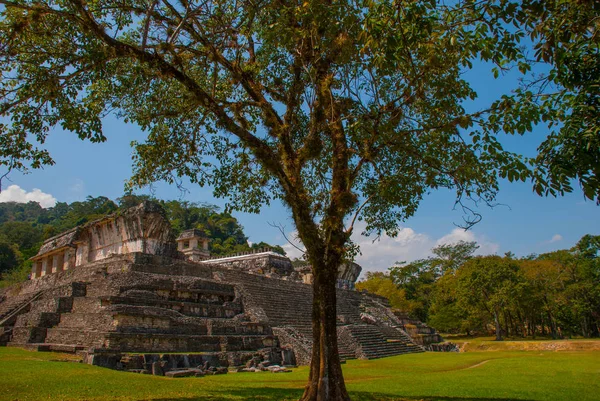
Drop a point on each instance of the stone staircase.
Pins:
(11, 307)
(44, 312)
(289, 304)
(374, 343)
(285, 303)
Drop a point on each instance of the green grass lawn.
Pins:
(499, 375)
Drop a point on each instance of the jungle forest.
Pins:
(555, 294)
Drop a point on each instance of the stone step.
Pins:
(86, 321)
(378, 342)
(188, 343)
(387, 350)
(383, 349)
(38, 319)
(44, 347)
(198, 288)
(11, 307)
(128, 323)
(24, 335)
(76, 337)
(86, 304)
(53, 304)
(185, 308)
(159, 342)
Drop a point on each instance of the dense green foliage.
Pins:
(381, 284)
(555, 294)
(565, 34)
(433, 376)
(24, 226)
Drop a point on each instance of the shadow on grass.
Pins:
(274, 394)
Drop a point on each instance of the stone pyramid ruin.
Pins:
(123, 286)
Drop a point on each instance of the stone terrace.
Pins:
(149, 303)
(114, 307)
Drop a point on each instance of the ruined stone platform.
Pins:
(118, 285)
(149, 303)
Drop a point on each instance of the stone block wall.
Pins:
(265, 263)
(116, 305)
(419, 331)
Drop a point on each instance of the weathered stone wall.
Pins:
(419, 331)
(265, 263)
(292, 339)
(347, 275)
(346, 278)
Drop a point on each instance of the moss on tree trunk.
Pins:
(326, 381)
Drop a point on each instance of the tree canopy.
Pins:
(343, 110)
(565, 35)
(418, 277)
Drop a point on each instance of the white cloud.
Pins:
(15, 193)
(458, 234)
(455, 236)
(408, 245)
(384, 252)
(556, 238)
(292, 251)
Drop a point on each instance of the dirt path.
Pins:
(477, 364)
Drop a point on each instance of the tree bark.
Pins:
(585, 327)
(552, 325)
(325, 382)
(498, 327)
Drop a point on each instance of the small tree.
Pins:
(419, 278)
(382, 284)
(487, 283)
(342, 110)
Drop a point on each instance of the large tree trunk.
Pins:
(325, 382)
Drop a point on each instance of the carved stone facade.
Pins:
(143, 228)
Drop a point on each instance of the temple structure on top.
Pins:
(143, 228)
(194, 245)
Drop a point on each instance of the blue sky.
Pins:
(524, 224)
